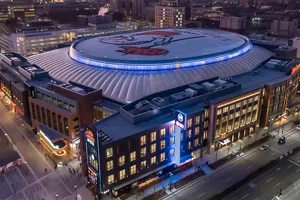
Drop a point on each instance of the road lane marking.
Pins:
(201, 195)
(249, 167)
(294, 162)
(289, 166)
(278, 169)
(272, 154)
(298, 170)
(269, 180)
(245, 196)
(228, 179)
(277, 184)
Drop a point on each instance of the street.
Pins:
(203, 188)
(31, 181)
(268, 185)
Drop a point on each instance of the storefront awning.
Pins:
(54, 138)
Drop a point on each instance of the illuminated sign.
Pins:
(92, 176)
(294, 69)
(90, 137)
(180, 120)
(49, 141)
(226, 141)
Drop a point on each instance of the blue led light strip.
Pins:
(165, 65)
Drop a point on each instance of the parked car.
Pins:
(298, 127)
(281, 140)
(264, 147)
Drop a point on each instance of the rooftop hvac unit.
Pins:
(196, 87)
(158, 101)
(220, 83)
(208, 87)
(190, 92)
(179, 96)
(142, 106)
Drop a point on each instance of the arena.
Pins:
(132, 65)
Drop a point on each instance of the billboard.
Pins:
(180, 120)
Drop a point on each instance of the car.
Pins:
(298, 127)
(281, 140)
(264, 147)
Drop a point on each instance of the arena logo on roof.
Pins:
(147, 43)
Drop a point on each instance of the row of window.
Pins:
(53, 120)
(100, 113)
(56, 102)
(122, 174)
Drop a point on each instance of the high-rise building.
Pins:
(123, 6)
(233, 24)
(138, 9)
(169, 16)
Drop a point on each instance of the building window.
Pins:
(109, 165)
(153, 136)
(189, 123)
(172, 140)
(162, 157)
(162, 144)
(205, 124)
(49, 118)
(189, 133)
(206, 113)
(143, 140)
(60, 123)
(132, 169)
(189, 145)
(163, 132)
(153, 147)
(43, 116)
(109, 152)
(33, 111)
(143, 164)
(197, 130)
(196, 142)
(121, 160)
(110, 179)
(225, 109)
(132, 156)
(54, 121)
(171, 129)
(122, 174)
(197, 120)
(205, 135)
(219, 112)
(171, 153)
(66, 126)
(143, 152)
(231, 107)
(153, 160)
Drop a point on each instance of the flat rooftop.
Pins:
(7, 153)
(117, 127)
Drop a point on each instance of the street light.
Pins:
(170, 179)
(75, 190)
(56, 196)
(26, 167)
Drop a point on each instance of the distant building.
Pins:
(123, 6)
(295, 42)
(233, 24)
(32, 40)
(169, 16)
(168, 2)
(138, 9)
(284, 28)
(16, 11)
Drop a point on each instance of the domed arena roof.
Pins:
(130, 66)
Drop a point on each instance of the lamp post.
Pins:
(56, 196)
(75, 191)
(26, 167)
(170, 179)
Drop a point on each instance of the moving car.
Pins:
(281, 140)
(264, 147)
(298, 127)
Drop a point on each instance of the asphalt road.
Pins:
(268, 185)
(203, 188)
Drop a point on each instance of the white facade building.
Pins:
(30, 43)
(233, 24)
(284, 28)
